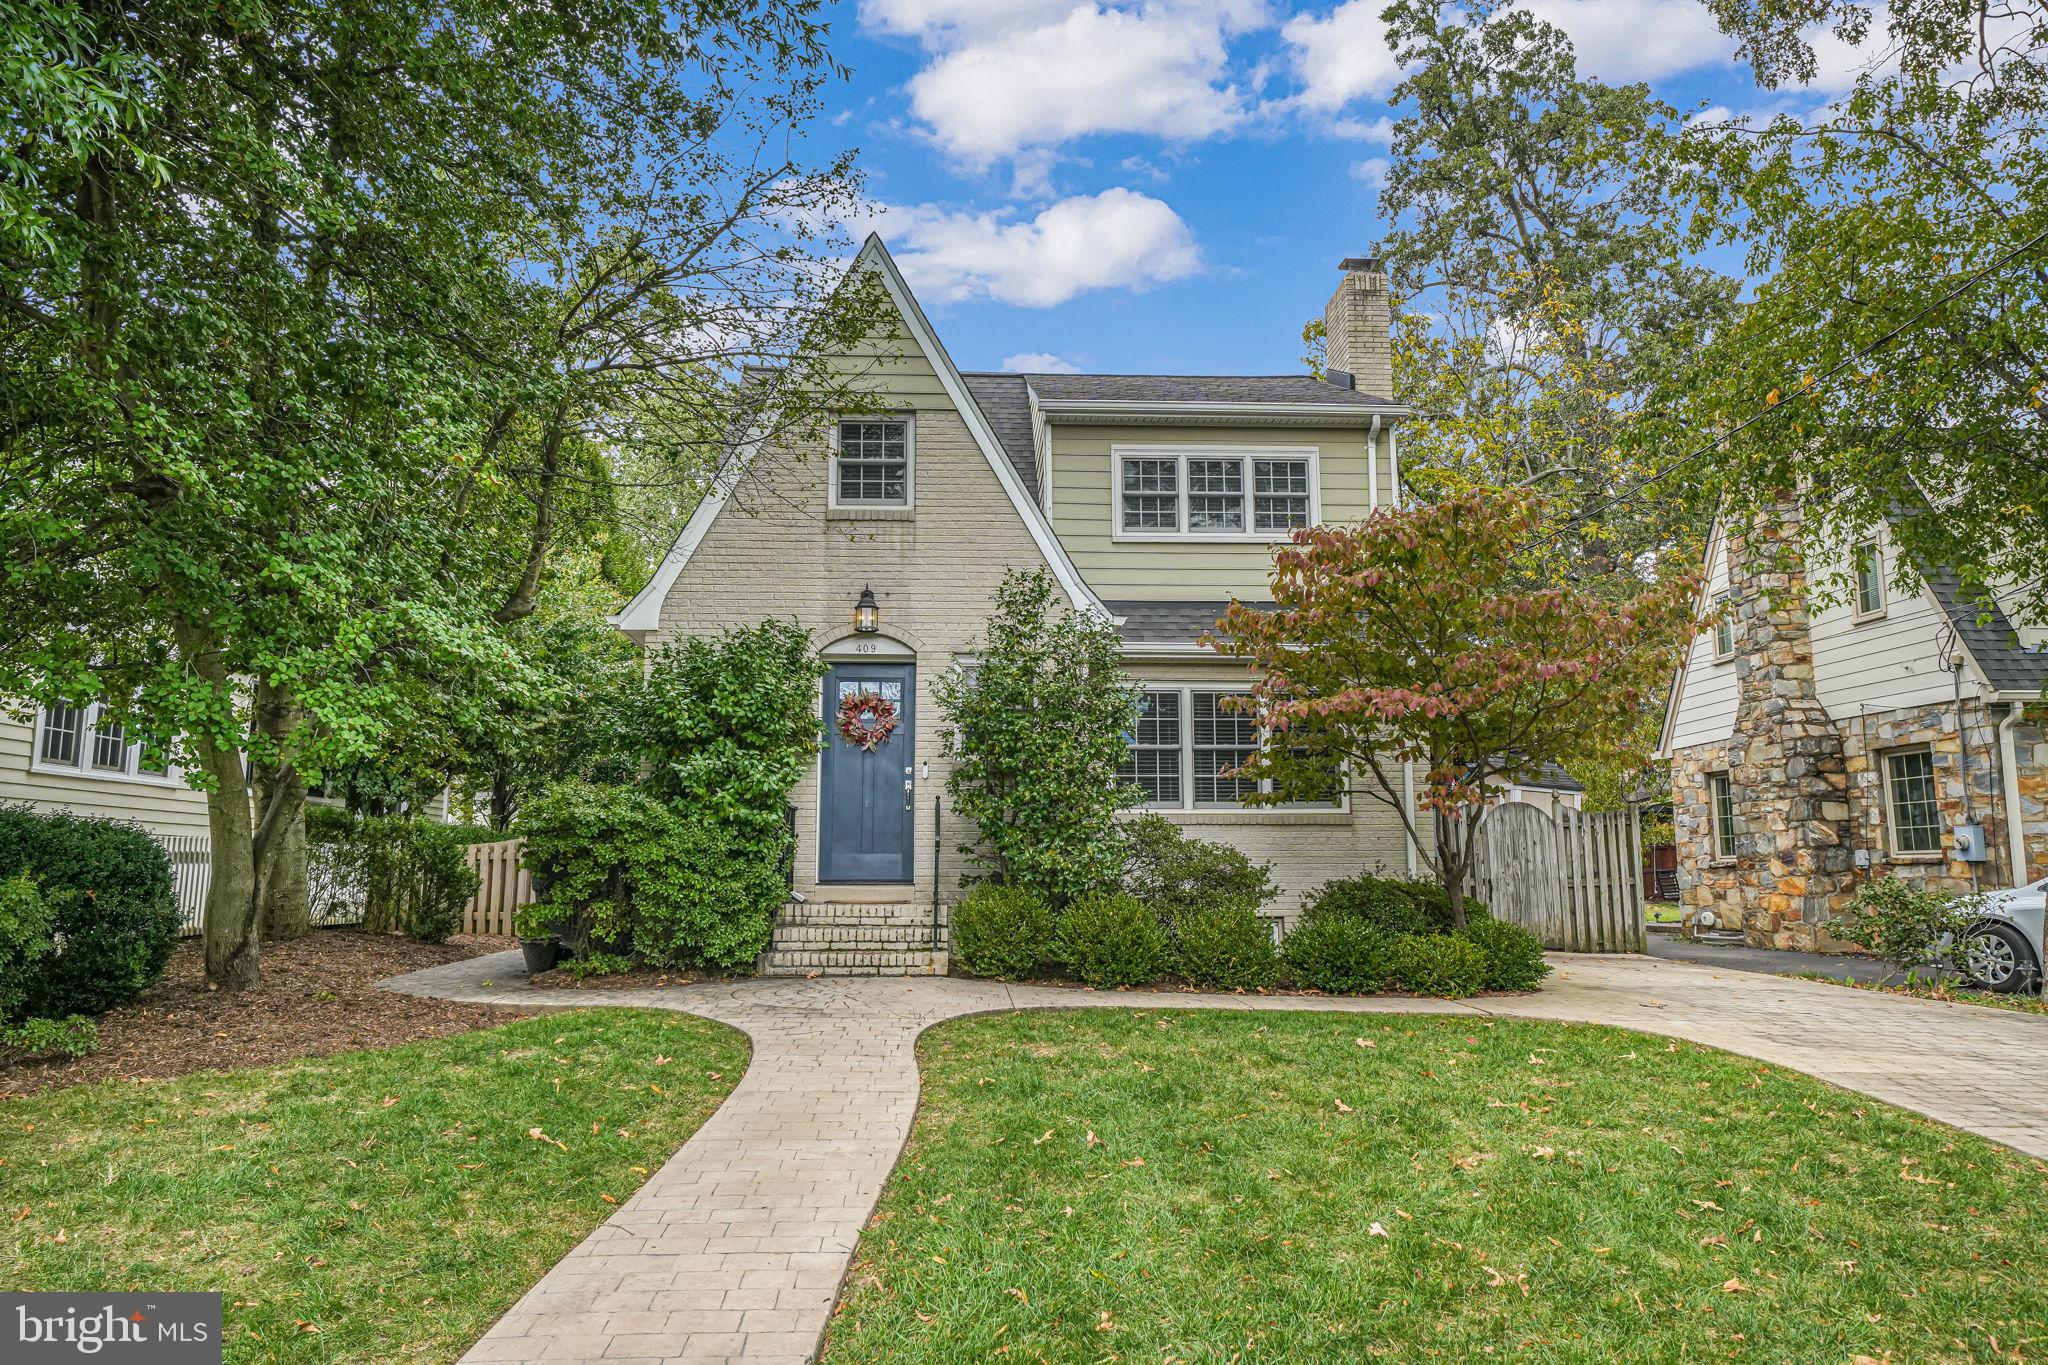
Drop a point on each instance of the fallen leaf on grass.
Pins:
(1377, 1231)
(1020, 1296)
(1342, 1107)
(1734, 1287)
(1364, 1042)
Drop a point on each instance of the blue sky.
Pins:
(1168, 185)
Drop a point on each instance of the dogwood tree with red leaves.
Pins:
(1419, 637)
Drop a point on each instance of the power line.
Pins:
(1807, 387)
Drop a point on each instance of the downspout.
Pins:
(1394, 462)
(1372, 466)
(2015, 818)
(1408, 802)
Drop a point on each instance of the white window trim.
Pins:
(1721, 600)
(1181, 454)
(173, 777)
(1891, 806)
(1187, 803)
(833, 502)
(1856, 611)
(1715, 828)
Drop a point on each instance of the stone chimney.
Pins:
(1358, 323)
(1794, 855)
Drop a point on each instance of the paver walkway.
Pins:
(734, 1251)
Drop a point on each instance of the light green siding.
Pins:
(892, 367)
(1082, 504)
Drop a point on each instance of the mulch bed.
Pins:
(318, 997)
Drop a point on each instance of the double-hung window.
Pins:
(91, 742)
(1869, 564)
(1721, 813)
(1186, 744)
(1910, 797)
(1212, 492)
(872, 466)
(1724, 627)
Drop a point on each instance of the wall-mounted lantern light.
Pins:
(866, 615)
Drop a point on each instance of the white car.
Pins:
(2003, 951)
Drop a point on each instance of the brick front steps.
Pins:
(844, 939)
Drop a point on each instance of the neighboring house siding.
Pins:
(1081, 498)
(777, 551)
(1707, 694)
(160, 808)
(1306, 847)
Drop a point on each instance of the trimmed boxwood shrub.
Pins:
(1227, 947)
(1171, 872)
(1399, 905)
(1002, 931)
(108, 887)
(1338, 953)
(1514, 956)
(1443, 965)
(25, 921)
(1110, 939)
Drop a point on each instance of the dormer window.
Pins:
(1212, 493)
(872, 466)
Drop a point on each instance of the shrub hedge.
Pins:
(1002, 931)
(1338, 953)
(111, 903)
(1226, 947)
(1172, 872)
(1444, 965)
(1514, 956)
(1110, 939)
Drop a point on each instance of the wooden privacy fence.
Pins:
(502, 887)
(1571, 879)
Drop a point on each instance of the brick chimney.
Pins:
(1794, 861)
(1358, 323)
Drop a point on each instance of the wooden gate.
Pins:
(1571, 879)
(502, 887)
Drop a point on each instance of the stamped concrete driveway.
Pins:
(734, 1250)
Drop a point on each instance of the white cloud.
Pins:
(1372, 171)
(1118, 239)
(1637, 40)
(1342, 57)
(1008, 76)
(1038, 362)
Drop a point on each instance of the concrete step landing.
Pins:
(841, 938)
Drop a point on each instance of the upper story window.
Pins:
(1212, 493)
(1186, 742)
(90, 742)
(872, 466)
(1724, 627)
(1869, 562)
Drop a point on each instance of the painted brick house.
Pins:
(1152, 499)
(1817, 744)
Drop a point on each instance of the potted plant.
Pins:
(537, 941)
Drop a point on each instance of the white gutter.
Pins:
(1342, 414)
(2015, 817)
(1372, 466)
(1394, 462)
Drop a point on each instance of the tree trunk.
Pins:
(501, 800)
(287, 912)
(232, 928)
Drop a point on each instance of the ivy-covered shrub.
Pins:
(1337, 953)
(113, 911)
(1226, 947)
(1110, 939)
(1002, 931)
(1444, 965)
(1398, 905)
(623, 877)
(1514, 956)
(1172, 872)
(406, 874)
(1037, 733)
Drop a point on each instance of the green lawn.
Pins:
(371, 1206)
(1664, 912)
(1168, 1186)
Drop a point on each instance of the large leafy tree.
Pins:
(1535, 248)
(1896, 351)
(1420, 637)
(316, 319)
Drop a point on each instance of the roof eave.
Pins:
(1291, 414)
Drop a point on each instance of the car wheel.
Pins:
(1995, 957)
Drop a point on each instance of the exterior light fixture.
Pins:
(865, 613)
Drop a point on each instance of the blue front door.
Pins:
(865, 824)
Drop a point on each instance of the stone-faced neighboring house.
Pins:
(1152, 499)
(1815, 747)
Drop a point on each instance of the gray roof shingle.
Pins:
(1154, 622)
(1007, 406)
(1988, 634)
(1201, 388)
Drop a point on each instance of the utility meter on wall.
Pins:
(1969, 843)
